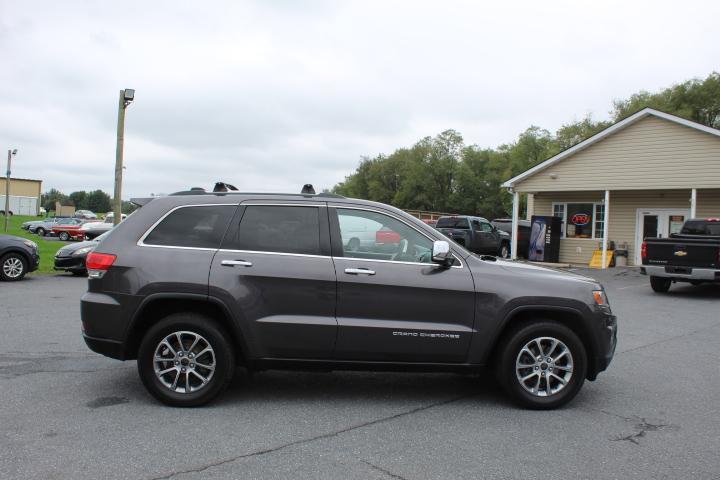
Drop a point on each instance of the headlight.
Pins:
(30, 244)
(600, 298)
(83, 251)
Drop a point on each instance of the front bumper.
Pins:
(70, 264)
(35, 262)
(688, 274)
(605, 343)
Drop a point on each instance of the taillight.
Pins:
(643, 250)
(99, 263)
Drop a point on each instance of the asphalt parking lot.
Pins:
(69, 413)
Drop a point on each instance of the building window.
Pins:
(559, 211)
(599, 220)
(580, 220)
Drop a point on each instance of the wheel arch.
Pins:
(569, 317)
(20, 251)
(158, 306)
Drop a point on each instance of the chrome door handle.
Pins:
(359, 271)
(232, 263)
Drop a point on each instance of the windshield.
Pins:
(701, 228)
(453, 222)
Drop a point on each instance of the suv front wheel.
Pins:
(542, 365)
(185, 360)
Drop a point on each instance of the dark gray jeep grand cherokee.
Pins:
(195, 283)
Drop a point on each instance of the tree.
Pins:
(98, 201)
(79, 199)
(696, 99)
(49, 198)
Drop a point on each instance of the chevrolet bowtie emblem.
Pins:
(680, 253)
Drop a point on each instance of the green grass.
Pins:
(46, 248)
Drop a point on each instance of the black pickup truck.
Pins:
(476, 234)
(693, 255)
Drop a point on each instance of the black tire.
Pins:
(509, 352)
(660, 284)
(504, 250)
(19, 261)
(64, 236)
(198, 325)
(80, 273)
(40, 231)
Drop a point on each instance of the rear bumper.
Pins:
(104, 346)
(693, 274)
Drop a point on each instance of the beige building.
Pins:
(24, 196)
(641, 177)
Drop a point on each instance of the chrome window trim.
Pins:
(370, 209)
(262, 252)
(141, 241)
(434, 265)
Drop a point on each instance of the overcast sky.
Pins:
(271, 95)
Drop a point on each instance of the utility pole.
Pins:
(11, 153)
(126, 97)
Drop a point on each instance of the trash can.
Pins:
(621, 255)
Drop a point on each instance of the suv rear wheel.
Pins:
(185, 360)
(542, 365)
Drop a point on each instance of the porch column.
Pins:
(693, 203)
(515, 214)
(606, 211)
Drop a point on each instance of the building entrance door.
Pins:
(657, 222)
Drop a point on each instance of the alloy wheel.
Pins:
(13, 267)
(544, 366)
(184, 362)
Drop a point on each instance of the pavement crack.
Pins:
(303, 441)
(642, 427)
(384, 471)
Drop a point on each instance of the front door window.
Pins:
(374, 236)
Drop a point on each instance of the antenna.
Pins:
(308, 189)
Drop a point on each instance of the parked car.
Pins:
(69, 228)
(523, 243)
(45, 226)
(693, 255)
(111, 215)
(476, 234)
(85, 215)
(92, 230)
(27, 225)
(71, 258)
(192, 285)
(18, 256)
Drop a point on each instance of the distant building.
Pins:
(24, 196)
(641, 177)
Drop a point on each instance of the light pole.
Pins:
(126, 98)
(11, 153)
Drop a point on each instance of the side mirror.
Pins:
(441, 252)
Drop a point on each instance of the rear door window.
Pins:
(453, 222)
(279, 229)
(197, 227)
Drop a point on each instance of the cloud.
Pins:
(272, 95)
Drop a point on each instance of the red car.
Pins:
(68, 228)
(386, 236)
